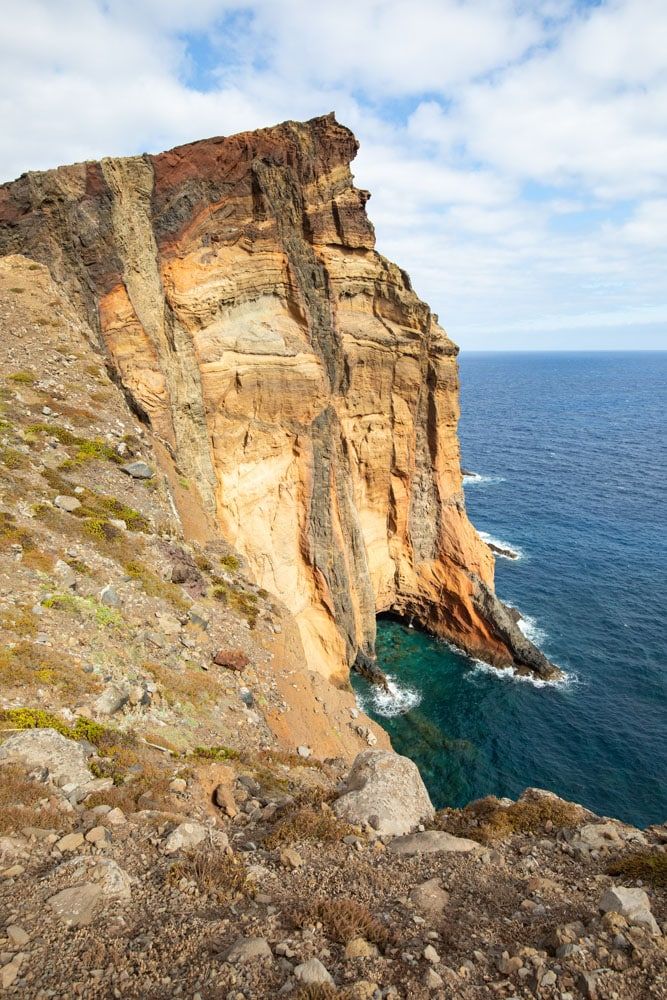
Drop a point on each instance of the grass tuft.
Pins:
(214, 873)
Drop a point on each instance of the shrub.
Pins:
(13, 459)
(306, 823)
(23, 378)
(19, 798)
(487, 820)
(649, 866)
(344, 920)
(214, 873)
(215, 753)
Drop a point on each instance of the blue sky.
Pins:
(516, 150)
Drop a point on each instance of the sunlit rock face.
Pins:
(290, 369)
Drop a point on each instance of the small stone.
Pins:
(10, 971)
(313, 972)
(304, 752)
(17, 935)
(189, 834)
(98, 835)
(231, 659)
(432, 980)
(290, 858)
(360, 948)
(116, 522)
(112, 700)
(109, 597)
(248, 950)
(137, 470)
(431, 955)
(65, 574)
(70, 842)
(549, 978)
(429, 897)
(69, 504)
(178, 785)
(508, 966)
(115, 818)
(224, 799)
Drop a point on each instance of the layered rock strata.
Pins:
(291, 371)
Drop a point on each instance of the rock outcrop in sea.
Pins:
(287, 369)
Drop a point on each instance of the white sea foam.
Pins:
(531, 629)
(397, 700)
(477, 479)
(509, 674)
(516, 553)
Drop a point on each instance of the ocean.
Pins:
(570, 462)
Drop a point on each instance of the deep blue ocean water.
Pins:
(571, 451)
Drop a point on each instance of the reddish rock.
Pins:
(231, 659)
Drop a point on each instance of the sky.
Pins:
(516, 150)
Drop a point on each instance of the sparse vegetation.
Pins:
(22, 378)
(215, 753)
(649, 866)
(242, 601)
(189, 685)
(154, 585)
(344, 920)
(486, 820)
(306, 823)
(87, 606)
(87, 449)
(13, 459)
(23, 802)
(215, 874)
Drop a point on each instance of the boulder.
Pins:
(76, 906)
(190, 834)
(69, 504)
(65, 760)
(431, 841)
(250, 949)
(313, 972)
(114, 698)
(385, 791)
(137, 470)
(633, 904)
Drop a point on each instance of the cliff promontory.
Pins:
(286, 368)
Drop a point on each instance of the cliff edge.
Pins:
(288, 369)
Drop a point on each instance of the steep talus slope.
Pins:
(288, 368)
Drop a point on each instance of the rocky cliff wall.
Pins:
(289, 368)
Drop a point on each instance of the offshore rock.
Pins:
(288, 369)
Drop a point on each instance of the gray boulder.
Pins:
(313, 972)
(633, 904)
(65, 761)
(137, 470)
(432, 841)
(385, 791)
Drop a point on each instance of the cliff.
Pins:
(285, 367)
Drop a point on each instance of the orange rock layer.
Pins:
(291, 371)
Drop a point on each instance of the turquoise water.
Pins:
(570, 453)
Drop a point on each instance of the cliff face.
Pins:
(289, 368)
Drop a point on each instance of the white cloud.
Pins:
(516, 153)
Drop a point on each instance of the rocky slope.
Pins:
(284, 883)
(287, 369)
